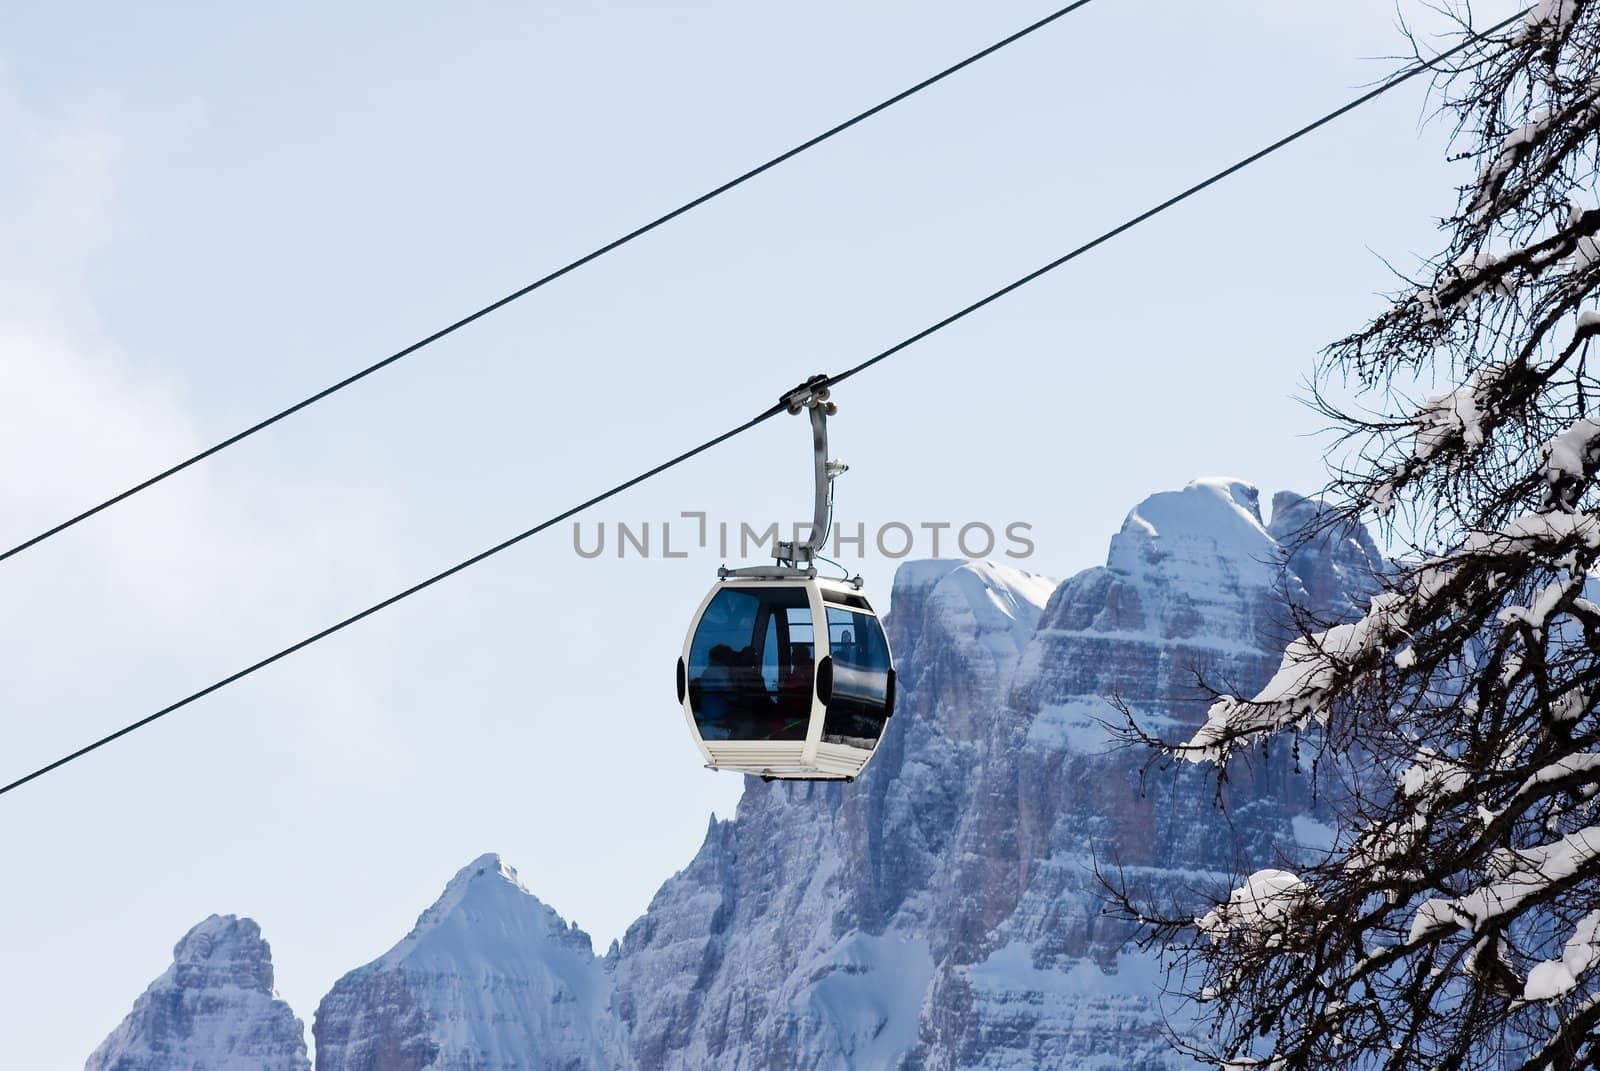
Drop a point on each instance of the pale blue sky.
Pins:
(212, 211)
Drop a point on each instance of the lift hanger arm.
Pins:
(812, 395)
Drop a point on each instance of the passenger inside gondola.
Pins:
(794, 688)
(714, 687)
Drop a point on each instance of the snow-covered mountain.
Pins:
(214, 1009)
(944, 911)
(489, 979)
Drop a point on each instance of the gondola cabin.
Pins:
(787, 676)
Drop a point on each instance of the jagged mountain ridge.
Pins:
(943, 911)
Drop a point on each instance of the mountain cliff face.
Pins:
(1035, 973)
(945, 910)
(489, 979)
(212, 1010)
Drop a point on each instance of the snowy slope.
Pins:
(213, 1010)
(489, 979)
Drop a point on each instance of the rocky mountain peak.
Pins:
(489, 976)
(485, 902)
(214, 1009)
(1211, 531)
(1200, 567)
(223, 950)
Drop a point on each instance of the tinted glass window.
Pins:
(860, 678)
(752, 665)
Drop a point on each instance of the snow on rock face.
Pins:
(213, 1010)
(1194, 556)
(975, 619)
(992, 608)
(489, 979)
(1032, 971)
(914, 584)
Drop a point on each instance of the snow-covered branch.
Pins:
(1455, 921)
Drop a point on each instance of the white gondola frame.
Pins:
(811, 759)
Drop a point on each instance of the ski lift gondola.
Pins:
(785, 673)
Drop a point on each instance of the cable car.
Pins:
(787, 674)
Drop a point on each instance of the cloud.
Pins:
(76, 426)
(76, 422)
(59, 188)
(81, 419)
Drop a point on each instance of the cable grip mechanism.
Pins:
(813, 395)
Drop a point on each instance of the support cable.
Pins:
(781, 406)
(543, 280)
